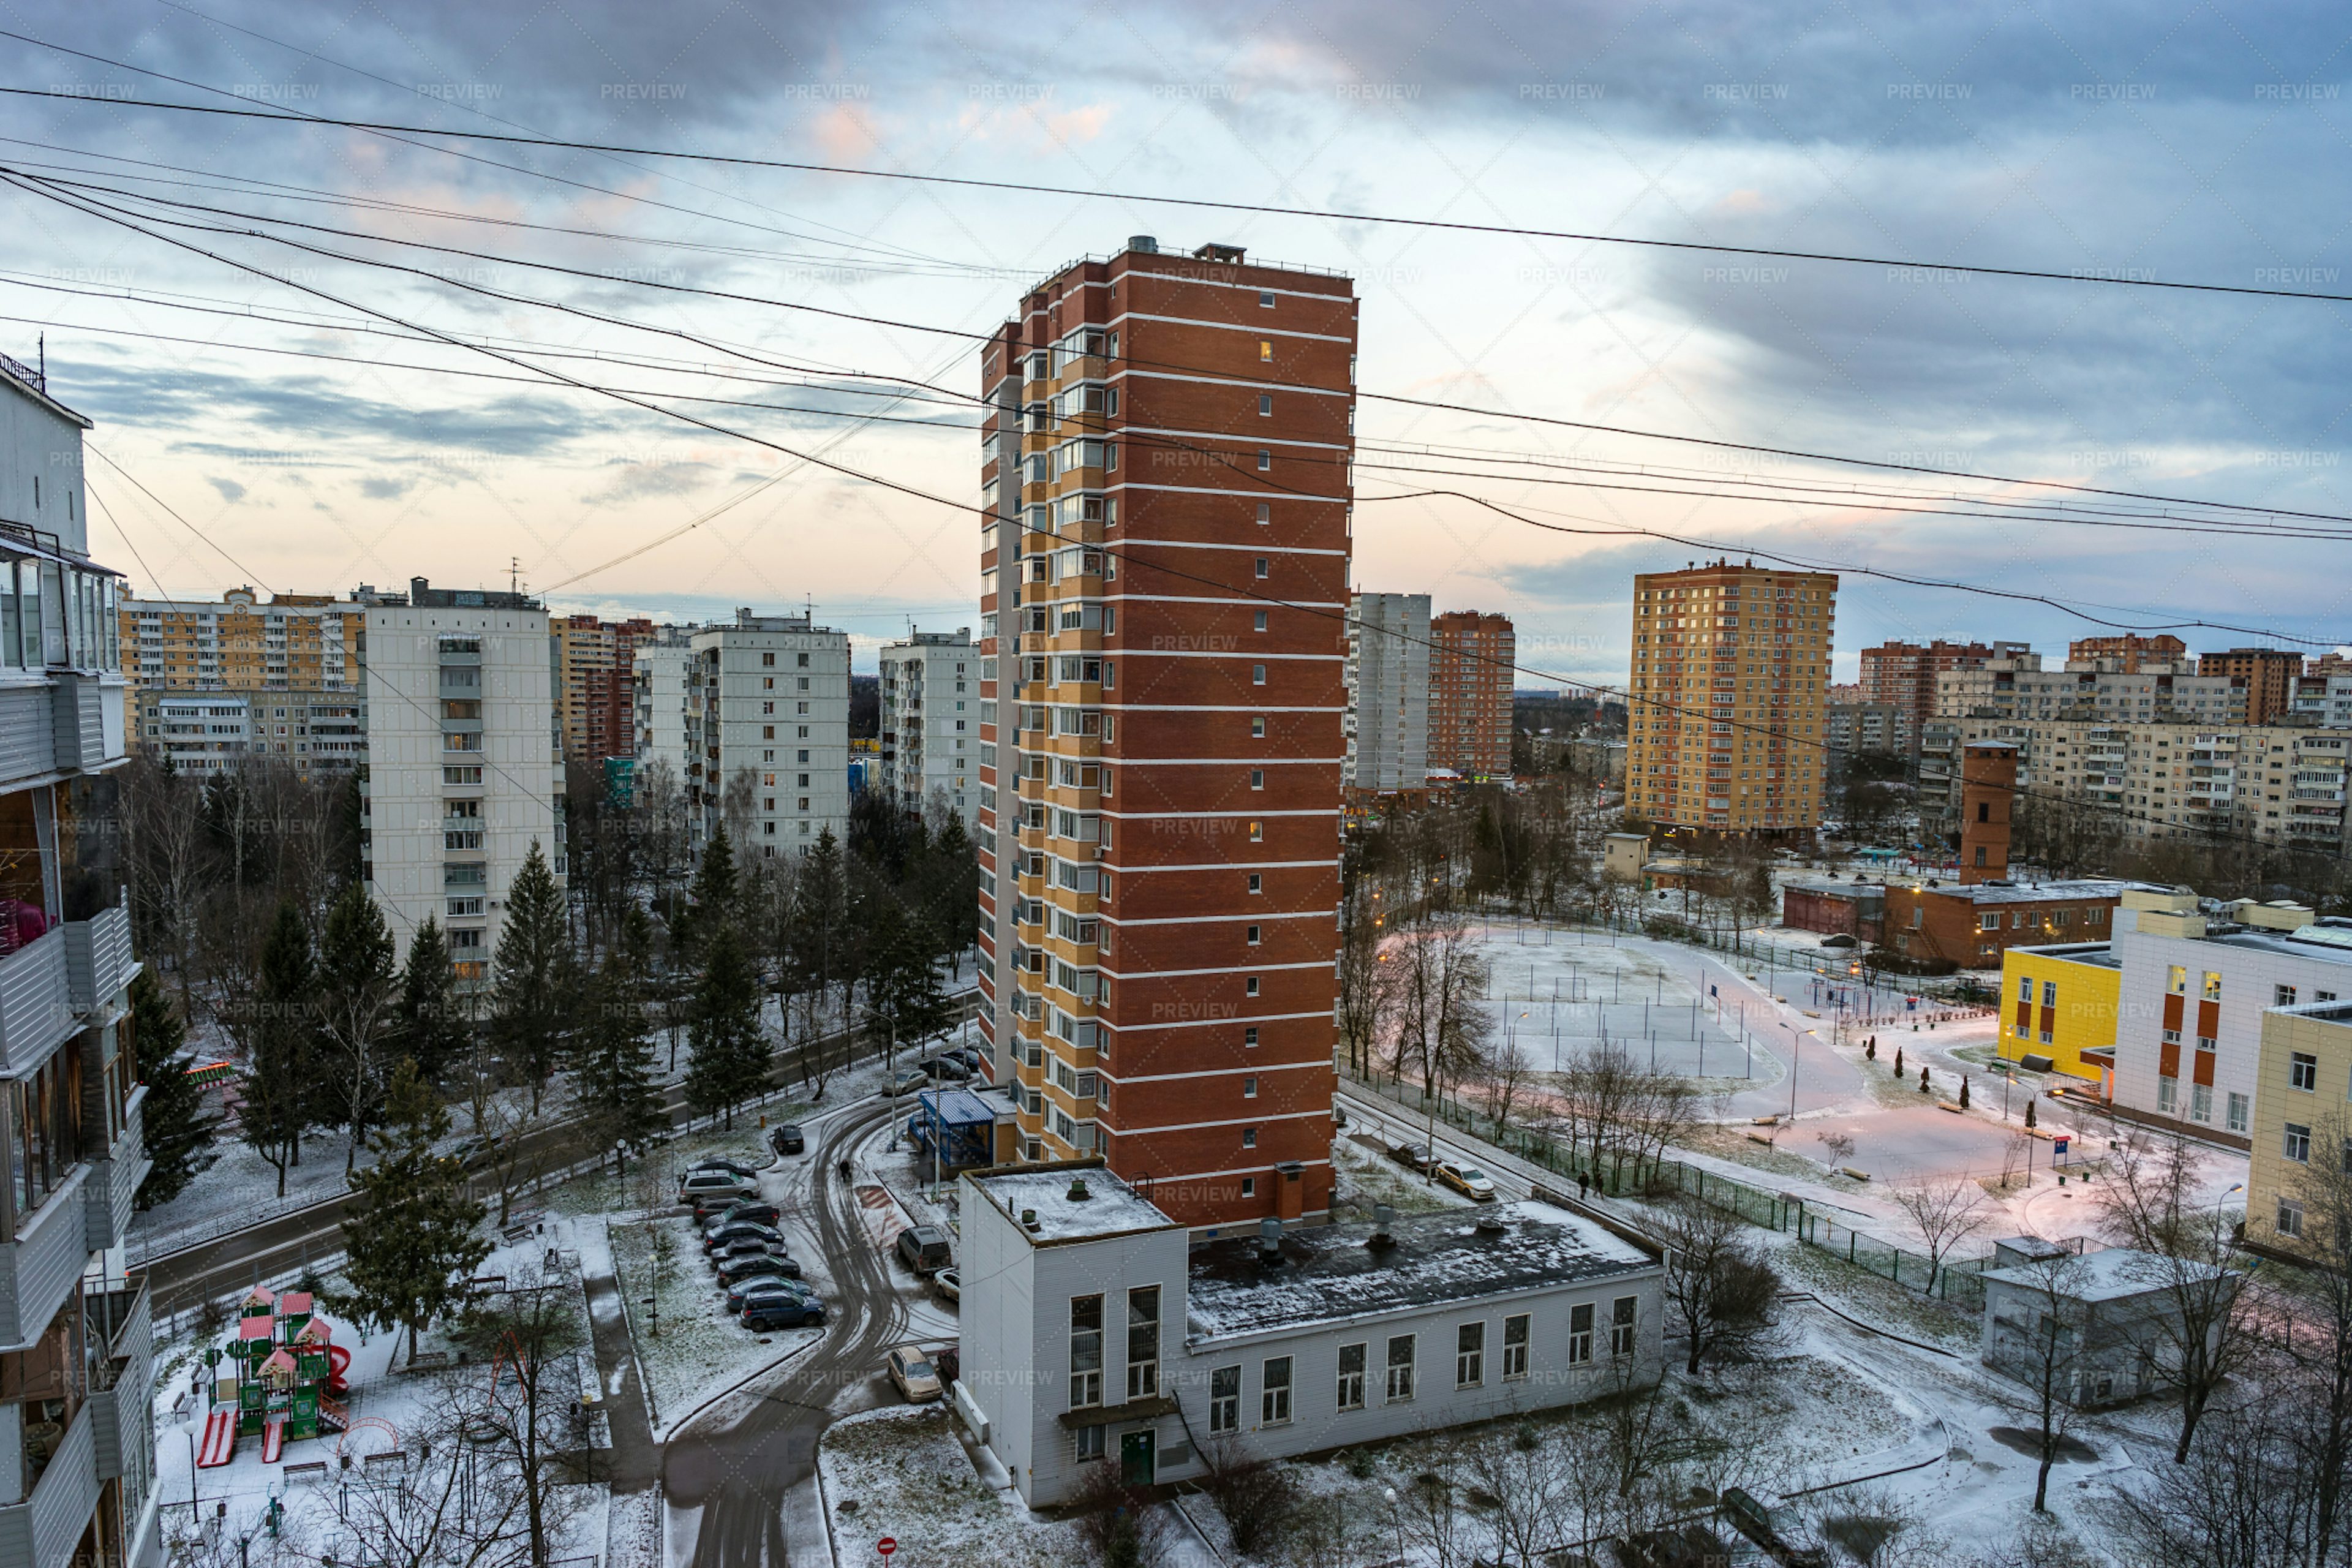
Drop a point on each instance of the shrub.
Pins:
(1255, 1496)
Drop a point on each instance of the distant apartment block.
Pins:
(1903, 675)
(1868, 728)
(665, 694)
(930, 723)
(2128, 655)
(768, 732)
(1471, 661)
(203, 732)
(1389, 691)
(463, 762)
(1726, 729)
(596, 669)
(2270, 675)
(2019, 687)
(240, 643)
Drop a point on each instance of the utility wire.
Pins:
(2095, 275)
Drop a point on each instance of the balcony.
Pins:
(122, 1384)
(40, 1267)
(114, 1180)
(47, 1527)
(36, 1009)
(99, 960)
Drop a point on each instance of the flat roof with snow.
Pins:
(1328, 1274)
(1109, 1207)
(2115, 1275)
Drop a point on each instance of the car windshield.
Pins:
(1473, 1173)
(918, 1369)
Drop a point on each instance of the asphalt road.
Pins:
(746, 1469)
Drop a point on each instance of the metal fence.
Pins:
(1810, 1221)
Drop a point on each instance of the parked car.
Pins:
(741, 1230)
(907, 1080)
(736, 1252)
(1469, 1180)
(783, 1312)
(748, 1211)
(924, 1249)
(718, 1162)
(787, 1138)
(1414, 1156)
(948, 1282)
(753, 1289)
(945, 1070)
(964, 1054)
(756, 1264)
(913, 1374)
(714, 1189)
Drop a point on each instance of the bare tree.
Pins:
(1531, 1475)
(2190, 1253)
(2315, 1338)
(1946, 1212)
(525, 1334)
(1509, 1071)
(1718, 1286)
(2245, 1503)
(2041, 1347)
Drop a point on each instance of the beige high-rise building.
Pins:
(238, 643)
(1727, 718)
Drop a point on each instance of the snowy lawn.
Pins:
(901, 1471)
(1366, 1176)
(702, 1349)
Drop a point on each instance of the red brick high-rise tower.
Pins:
(1471, 657)
(1164, 563)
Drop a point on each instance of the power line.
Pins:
(2097, 277)
(1824, 747)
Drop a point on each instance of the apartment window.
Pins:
(1265, 350)
(2295, 1142)
(1253, 936)
(1264, 568)
(1264, 512)
(1249, 985)
(1265, 299)
(2212, 987)
(1144, 1343)
(1351, 1377)
(1087, 1442)
(1257, 728)
(1400, 1384)
(1579, 1334)
(1249, 1187)
(1988, 922)
(1086, 1351)
(2302, 1072)
(2289, 1217)
(1620, 1325)
(1516, 1334)
(802, 660)
(2050, 993)
(1249, 1137)
(2238, 1108)
(1249, 1088)
(2176, 982)
(767, 659)
(2024, 988)
(1257, 778)
(1225, 1399)
(1257, 883)
(1249, 1035)
(2282, 996)
(1470, 1355)
(2201, 1103)
(1257, 675)
(1264, 404)
(1259, 624)
(2168, 1094)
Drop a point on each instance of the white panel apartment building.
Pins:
(666, 704)
(2189, 1026)
(198, 734)
(1388, 691)
(930, 723)
(464, 764)
(769, 742)
(1091, 1330)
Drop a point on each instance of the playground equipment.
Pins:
(281, 1376)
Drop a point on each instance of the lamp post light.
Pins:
(1795, 1039)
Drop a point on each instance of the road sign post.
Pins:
(886, 1546)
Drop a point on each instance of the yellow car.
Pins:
(1469, 1180)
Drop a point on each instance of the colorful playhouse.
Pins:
(281, 1376)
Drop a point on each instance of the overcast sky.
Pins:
(2199, 143)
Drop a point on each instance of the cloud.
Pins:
(230, 490)
(378, 489)
(639, 481)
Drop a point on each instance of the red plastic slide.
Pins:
(338, 1361)
(273, 1437)
(220, 1438)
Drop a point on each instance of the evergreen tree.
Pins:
(612, 1079)
(411, 1241)
(951, 900)
(175, 1123)
(730, 1055)
(716, 896)
(357, 985)
(429, 1020)
(276, 1090)
(534, 995)
(905, 1003)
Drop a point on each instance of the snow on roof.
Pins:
(1110, 1206)
(2041, 892)
(2114, 1275)
(295, 1302)
(962, 1107)
(1328, 1274)
(255, 1328)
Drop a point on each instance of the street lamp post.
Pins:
(1794, 1047)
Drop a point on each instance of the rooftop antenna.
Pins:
(514, 575)
(42, 343)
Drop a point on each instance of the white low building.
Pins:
(1092, 1330)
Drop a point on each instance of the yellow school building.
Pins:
(2059, 1006)
(2301, 1128)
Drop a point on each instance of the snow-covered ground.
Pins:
(903, 1471)
(689, 1346)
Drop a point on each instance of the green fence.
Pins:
(1955, 1281)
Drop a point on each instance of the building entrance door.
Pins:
(1135, 1452)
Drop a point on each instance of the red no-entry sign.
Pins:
(887, 1545)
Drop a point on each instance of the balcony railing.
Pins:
(114, 1180)
(99, 960)
(36, 1009)
(124, 1382)
(40, 1264)
(47, 1527)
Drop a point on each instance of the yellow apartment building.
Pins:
(2059, 1006)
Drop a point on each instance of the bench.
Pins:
(427, 1361)
(309, 1470)
(388, 1458)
